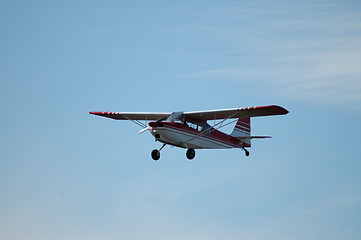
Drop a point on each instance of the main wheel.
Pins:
(190, 153)
(155, 154)
(246, 152)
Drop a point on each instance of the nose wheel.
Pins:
(156, 153)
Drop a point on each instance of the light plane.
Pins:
(192, 130)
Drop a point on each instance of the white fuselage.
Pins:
(186, 137)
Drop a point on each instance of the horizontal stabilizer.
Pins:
(251, 137)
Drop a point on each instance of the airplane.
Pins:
(191, 130)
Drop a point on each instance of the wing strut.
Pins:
(139, 123)
(221, 122)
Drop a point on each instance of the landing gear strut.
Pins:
(246, 152)
(156, 153)
(190, 153)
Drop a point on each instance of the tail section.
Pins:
(242, 130)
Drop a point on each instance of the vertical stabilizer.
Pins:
(242, 130)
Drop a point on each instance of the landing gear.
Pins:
(190, 153)
(156, 153)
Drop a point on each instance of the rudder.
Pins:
(242, 130)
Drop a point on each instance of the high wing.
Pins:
(237, 112)
(132, 115)
(201, 115)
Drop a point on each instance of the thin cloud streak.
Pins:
(307, 54)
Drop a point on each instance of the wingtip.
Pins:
(276, 109)
(281, 110)
(285, 111)
(96, 113)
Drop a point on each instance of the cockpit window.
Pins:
(192, 125)
(200, 126)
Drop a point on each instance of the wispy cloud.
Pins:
(298, 51)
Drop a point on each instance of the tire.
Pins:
(246, 152)
(155, 155)
(190, 153)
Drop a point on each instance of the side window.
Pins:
(204, 127)
(200, 126)
(192, 125)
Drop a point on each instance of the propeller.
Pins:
(155, 123)
(143, 130)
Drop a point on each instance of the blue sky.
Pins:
(67, 175)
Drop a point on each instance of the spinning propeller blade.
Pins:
(143, 130)
(156, 122)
